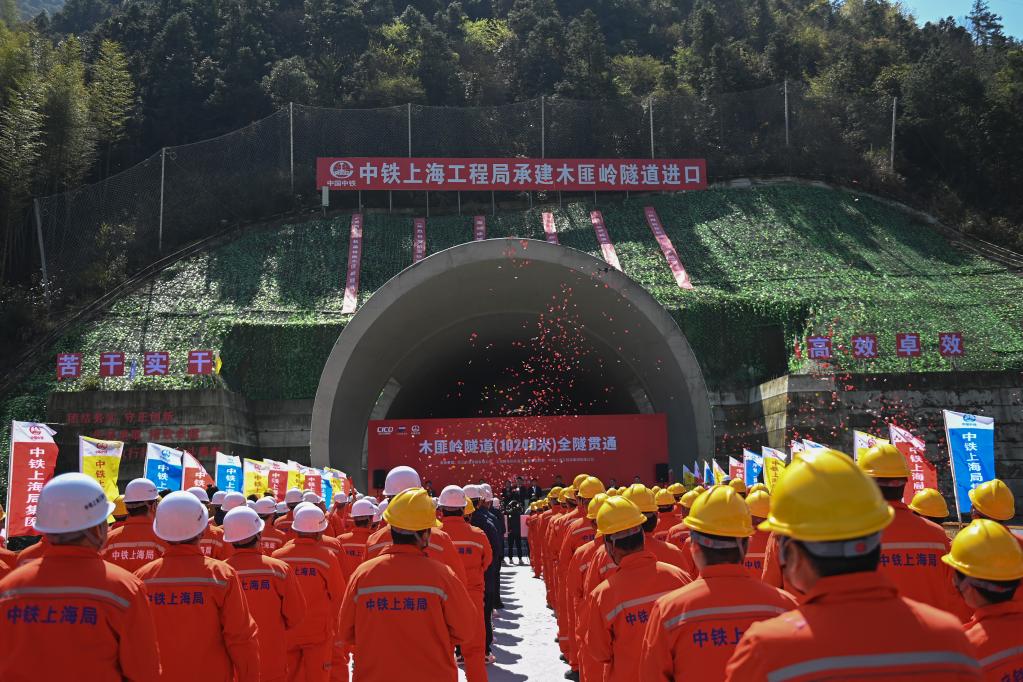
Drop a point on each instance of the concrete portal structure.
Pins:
(473, 330)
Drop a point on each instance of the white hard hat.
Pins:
(473, 492)
(293, 496)
(340, 498)
(363, 507)
(218, 497)
(309, 519)
(486, 487)
(241, 523)
(70, 503)
(372, 499)
(311, 497)
(250, 504)
(199, 494)
(452, 496)
(265, 505)
(380, 510)
(140, 490)
(488, 494)
(180, 516)
(232, 500)
(400, 479)
(281, 508)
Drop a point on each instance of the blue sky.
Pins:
(932, 10)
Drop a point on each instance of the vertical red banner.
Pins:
(667, 248)
(351, 301)
(195, 474)
(922, 472)
(313, 481)
(550, 232)
(33, 458)
(419, 240)
(604, 239)
(277, 479)
(479, 228)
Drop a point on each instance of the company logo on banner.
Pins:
(33, 458)
(256, 477)
(922, 473)
(164, 466)
(230, 476)
(774, 464)
(276, 478)
(457, 451)
(101, 459)
(971, 451)
(863, 442)
(510, 174)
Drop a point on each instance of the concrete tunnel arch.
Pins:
(412, 333)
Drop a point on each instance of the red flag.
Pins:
(195, 474)
(33, 458)
(922, 472)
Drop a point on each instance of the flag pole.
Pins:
(10, 476)
(952, 466)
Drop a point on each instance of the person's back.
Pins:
(473, 550)
(212, 543)
(754, 560)
(133, 544)
(322, 581)
(441, 548)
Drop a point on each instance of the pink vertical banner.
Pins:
(351, 301)
(419, 240)
(479, 228)
(679, 272)
(604, 239)
(550, 232)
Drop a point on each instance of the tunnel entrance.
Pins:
(507, 327)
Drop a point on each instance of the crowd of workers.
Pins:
(830, 577)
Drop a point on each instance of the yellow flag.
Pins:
(217, 364)
(719, 474)
(772, 470)
(255, 477)
(296, 479)
(864, 441)
(101, 459)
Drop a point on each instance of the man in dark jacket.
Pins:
(491, 595)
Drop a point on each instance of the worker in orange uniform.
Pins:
(693, 631)
(589, 668)
(739, 486)
(292, 498)
(311, 644)
(851, 624)
(353, 543)
(71, 615)
(270, 539)
(531, 518)
(271, 590)
(759, 503)
(667, 515)
(677, 490)
(339, 517)
(403, 596)
(212, 542)
(552, 510)
(911, 547)
(202, 619)
(620, 606)
(134, 544)
(33, 552)
(988, 565)
(644, 498)
(678, 533)
(930, 504)
(476, 554)
(555, 533)
(120, 514)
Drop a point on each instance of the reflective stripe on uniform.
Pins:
(583, 567)
(435, 548)
(838, 663)
(379, 545)
(721, 611)
(132, 545)
(1001, 655)
(353, 544)
(467, 542)
(913, 545)
(304, 560)
(261, 571)
(184, 580)
(756, 555)
(582, 530)
(65, 591)
(633, 602)
(429, 589)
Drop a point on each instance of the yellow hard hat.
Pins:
(720, 511)
(664, 498)
(929, 502)
(884, 461)
(562, 495)
(757, 486)
(590, 487)
(677, 489)
(569, 492)
(994, 500)
(824, 497)
(618, 514)
(578, 480)
(412, 510)
(688, 499)
(656, 489)
(119, 507)
(986, 550)
(738, 485)
(554, 492)
(700, 489)
(595, 504)
(471, 508)
(759, 503)
(642, 497)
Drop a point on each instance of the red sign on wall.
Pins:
(511, 174)
(496, 449)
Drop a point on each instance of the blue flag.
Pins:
(328, 489)
(230, 476)
(708, 473)
(971, 451)
(753, 464)
(164, 467)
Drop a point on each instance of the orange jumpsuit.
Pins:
(271, 539)
(590, 670)
(476, 554)
(995, 632)
(133, 544)
(531, 523)
(339, 522)
(283, 524)
(440, 548)
(773, 575)
(276, 604)
(5, 568)
(855, 627)
(670, 554)
(8, 557)
(33, 552)
(404, 613)
(665, 522)
(678, 534)
(550, 554)
(911, 550)
(576, 534)
(73, 616)
(754, 561)
(694, 630)
(353, 543)
(558, 532)
(310, 645)
(202, 620)
(212, 543)
(620, 608)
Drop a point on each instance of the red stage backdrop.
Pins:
(512, 174)
(495, 449)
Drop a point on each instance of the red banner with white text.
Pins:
(33, 458)
(511, 174)
(497, 449)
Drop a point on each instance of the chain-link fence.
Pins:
(93, 237)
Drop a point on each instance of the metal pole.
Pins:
(786, 112)
(543, 128)
(410, 130)
(427, 203)
(652, 156)
(291, 143)
(891, 160)
(493, 204)
(163, 168)
(459, 202)
(42, 250)
(952, 467)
